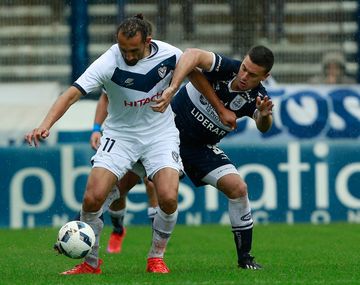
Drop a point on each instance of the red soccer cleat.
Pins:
(84, 268)
(156, 265)
(115, 242)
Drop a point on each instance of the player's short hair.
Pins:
(130, 26)
(262, 56)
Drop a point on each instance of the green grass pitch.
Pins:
(297, 254)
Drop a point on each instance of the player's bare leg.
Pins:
(152, 199)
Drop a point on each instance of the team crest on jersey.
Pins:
(175, 156)
(237, 103)
(162, 71)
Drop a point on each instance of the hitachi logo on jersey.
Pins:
(207, 123)
(142, 102)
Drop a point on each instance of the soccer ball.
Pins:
(76, 239)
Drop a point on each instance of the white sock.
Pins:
(113, 195)
(117, 220)
(162, 228)
(151, 212)
(93, 219)
(240, 213)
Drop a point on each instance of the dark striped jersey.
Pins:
(197, 120)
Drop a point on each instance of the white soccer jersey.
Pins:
(132, 89)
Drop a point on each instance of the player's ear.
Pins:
(148, 40)
(266, 76)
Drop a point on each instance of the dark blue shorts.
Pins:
(199, 160)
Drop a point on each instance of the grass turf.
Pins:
(298, 254)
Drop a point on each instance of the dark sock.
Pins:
(243, 241)
(117, 225)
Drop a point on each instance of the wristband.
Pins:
(96, 127)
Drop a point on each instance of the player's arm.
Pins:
(200, 82)
(188, 65)
(100, 116)
(263, 114)
(58, 109)
(189, 61)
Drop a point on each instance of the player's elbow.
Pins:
(263, 128)
(194, 55)
(264, 124)
(192, 51)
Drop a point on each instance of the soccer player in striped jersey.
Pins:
(116, 201)
(115, 204)
(238, 87)
(134, 72)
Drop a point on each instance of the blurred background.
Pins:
(38, 37)
(305, 169)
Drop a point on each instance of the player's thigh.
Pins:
(127, 182)
(227, 179)
(204, 164)
(232, 185)
(100, 182)
(151, 192)
(166, 182)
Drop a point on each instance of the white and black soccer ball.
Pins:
(75, 239)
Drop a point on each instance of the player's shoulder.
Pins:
(223, 68)
(260, 90)
(114, 48)
(110, 55)
(225, 65)
(223, 59)
(165, 47)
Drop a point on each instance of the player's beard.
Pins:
(131, 62)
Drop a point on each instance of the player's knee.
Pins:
(168, 205)
(238, 190)
(92, 202)
(242, 189)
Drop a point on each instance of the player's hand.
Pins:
(228, 118)
(264, 106)
(36, 135)
(163, 102)
(95, 140)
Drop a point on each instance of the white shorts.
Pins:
(120, 155)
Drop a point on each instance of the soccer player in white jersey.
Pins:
(116, 202)
(134, 72)
(238, 86)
